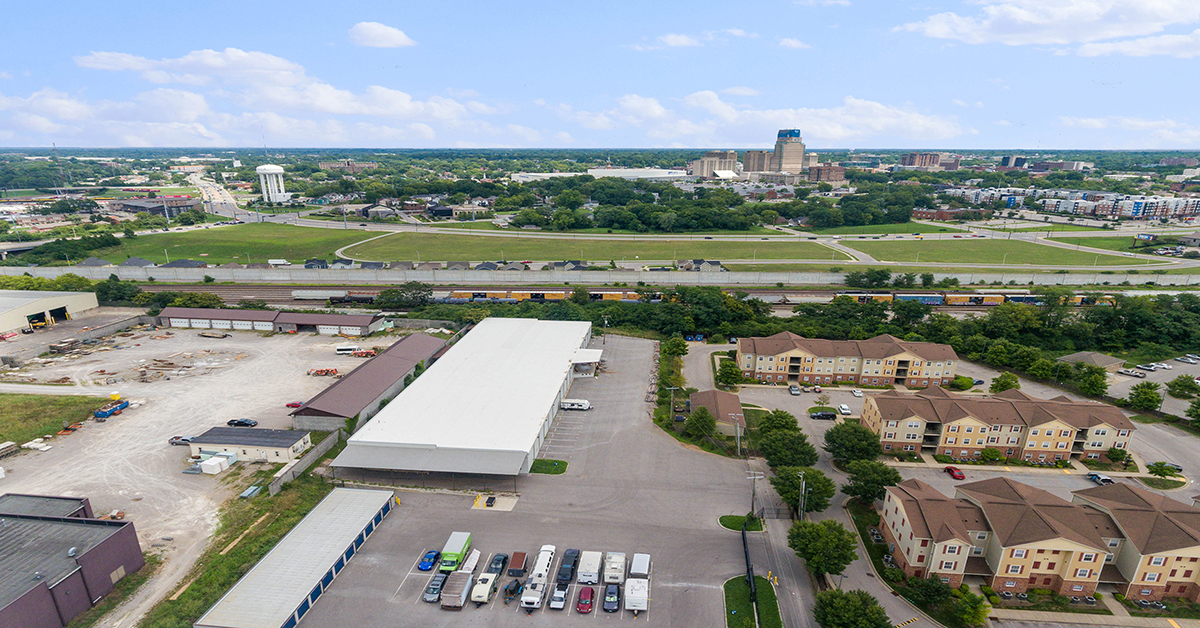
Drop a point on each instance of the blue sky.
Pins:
(1107, 74)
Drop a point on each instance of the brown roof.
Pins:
(218, 314)
(1019, 514)
(313, 318)
(362, 386)
(935, 516)
(725, 407)
(1011, 407)
(1154, 523)
(1091, 357)
(876, 348)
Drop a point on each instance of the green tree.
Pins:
(823, 400)
(777, 421)
(869, 479)
(1093, 384)
(1004, 381)
(198, 299)
(729, 374)
(569, 199)
(991, 454)
(675, 346)
(1183, 387)
(407, 296)
(1042, 369)
(252, 304)
(790, 481)
(971, 609)
(929, 591)
(927, 280)
(1145, 396)
(128, 232)
(827, 547)
(1118, 455)
(209, 279)
(580, 296)
(787, 449)
(849, 609)
(1193, 411)
(700, 423)
(847, 442)
(1161, 469)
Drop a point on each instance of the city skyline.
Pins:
(950, 74)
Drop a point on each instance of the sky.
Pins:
(936, 74)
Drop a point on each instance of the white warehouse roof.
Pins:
(483, 407)
(275, 587)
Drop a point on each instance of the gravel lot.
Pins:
(126, 463)
(629, 487)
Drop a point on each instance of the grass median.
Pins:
(983, 251)
(548, 466)
(739, 610)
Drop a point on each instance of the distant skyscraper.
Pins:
(756, 161)
(1012, 161)
(270, 178)
(789, 152)
(712, 161)
(920, 160)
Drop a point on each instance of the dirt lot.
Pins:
(126, 463)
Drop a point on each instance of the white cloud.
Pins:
(1002, 123)
(675, 40)
(959, 103)
(462, 93)
(5, 75)
(36, 123)
(740, 91)
(1120, 122)
(1057, 22)
(1182, 46)
(564, 137)
(788, 42)
(525, 133)
(737, 32)
(376, 35)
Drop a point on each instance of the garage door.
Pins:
(352, 331)
(328, 330)
(201, 323)
(222, 324)
(264, 325)
(243, 325)
(179, 322)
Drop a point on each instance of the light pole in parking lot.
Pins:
(754, 477)
(737, 430)
(803, 494)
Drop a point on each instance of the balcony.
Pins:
(933, 428)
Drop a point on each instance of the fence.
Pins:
(305, 461)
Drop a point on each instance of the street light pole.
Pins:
(754, 477)
(803, 494)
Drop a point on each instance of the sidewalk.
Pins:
(1091, 620)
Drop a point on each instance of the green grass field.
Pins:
(432, 246)
(26, 417)
(233, 244)
(548, 466)
(906, 227)
(1116, 243)
(983, 252)
(490, 226)
(1054, 228)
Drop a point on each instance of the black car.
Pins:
(499, 562)
(612, 598)
(241, 423)
(978, 382)
(823, 416)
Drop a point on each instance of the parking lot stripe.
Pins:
(410, 570)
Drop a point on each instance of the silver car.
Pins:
(433, 592)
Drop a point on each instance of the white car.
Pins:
(1127, 254)
(856, 392)
(1163, 366)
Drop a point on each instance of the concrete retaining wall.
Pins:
(539, 277)
(318, 423)
(305, 462)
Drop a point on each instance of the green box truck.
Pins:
(455, 551)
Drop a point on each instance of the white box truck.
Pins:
(637, 595)
(575, 404)
(535, 590)
(454, 593)
(614, 568)
(589, 567)
(640, 567)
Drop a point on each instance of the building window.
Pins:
(1008, 584)
(952, 428)
(1100, 433)
(951, 441)
(1014, 569)
(970, 429)
(1083, 573)
(1151, 577)
(890, 435)
(1078, 587)
(1088, 558)
(1019, 553)
(981, 536)
(948, 565)
(944, 580)
(1158, 561)
(950, 549)
(1114, 542)
(914, 424)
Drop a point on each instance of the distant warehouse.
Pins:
(25, 308)
(270, 320)
(360, 393)
(483, 408)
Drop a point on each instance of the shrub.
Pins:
(941, 458)
(1118, 597)
(1098, 595)
(1041, 592)
(988, 591)
(892, 574)
(994, 600)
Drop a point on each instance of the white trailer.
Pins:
(575, 404)
(614, 568)
(535, 590)
(640, 566)
(589, 567)
(637, 595)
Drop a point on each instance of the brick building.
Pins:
(880, 361)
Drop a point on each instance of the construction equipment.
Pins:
(323, 372)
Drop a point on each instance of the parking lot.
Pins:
(629, 488)
(1119, 385)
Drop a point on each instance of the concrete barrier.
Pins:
(305, 461)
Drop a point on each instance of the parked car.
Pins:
(433, 592)
(499, 562)
(295, 404)
(1174, 467)
(816, 389)
(1192, 356)
(1186, 360)
(844, 409)
(429, 560)
(612, 598)
(241, 423)
(586, 596)
(794, 390)
(823, 416)
(978, 382)
(955, 473)
(181, 440)
(1100, 478)
(558, 599)
(856, 392)
(1163, 366)
(1147, 367)
(1131, 373)
(566, 571)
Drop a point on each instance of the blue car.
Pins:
(430, 560)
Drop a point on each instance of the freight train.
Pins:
(479, 295)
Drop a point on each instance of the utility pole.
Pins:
(803, 494)
(754, 477)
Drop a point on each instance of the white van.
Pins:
(844, 409)
(346, 350)
(575, 404)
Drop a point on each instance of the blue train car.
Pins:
(930, 298)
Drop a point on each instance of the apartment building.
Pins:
(830, 173)
(879, 361)
(713, 161)
(1158, 550)
(757, 161)
(921, 160)
(1016, 536)
(1019, 425)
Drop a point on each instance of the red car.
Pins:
(586, 595)
(295, 404)
(956, 473)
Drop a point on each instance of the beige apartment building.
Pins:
(1021, 426)
(882, 360)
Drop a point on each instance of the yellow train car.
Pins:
(497, 294)
(958, 299)
(552, 296)
(607, 295)
(991, 299)
(461, 294)
(521, 296)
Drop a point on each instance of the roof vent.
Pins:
(37, 575)
(71, 552)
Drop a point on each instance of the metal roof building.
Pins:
(279, 590)
(269, 320)
(45, 505)
(483, 408)
(253, 444)
(20, 308)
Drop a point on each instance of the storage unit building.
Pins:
(279, 591)
(212, 318)
(22, 308)
(329, 324)
(253, 443)
(493, 395)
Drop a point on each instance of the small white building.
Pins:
(252, 443)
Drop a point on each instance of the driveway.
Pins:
(697, 369)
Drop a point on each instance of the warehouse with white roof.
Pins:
(483, 408)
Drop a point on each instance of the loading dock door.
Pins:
(263, 325)
(59, 314)
(243, 325)
(37, 320)
(328, 330)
